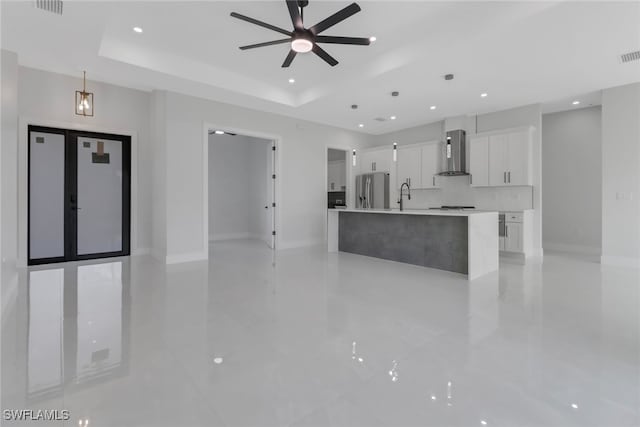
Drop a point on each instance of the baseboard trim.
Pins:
(578, 249)
(188, 257)
(620, 261)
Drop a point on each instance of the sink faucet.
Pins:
(408, 194)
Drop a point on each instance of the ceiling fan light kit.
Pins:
(303, 40)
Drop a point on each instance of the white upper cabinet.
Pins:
(376, 160)
(479, 161)
(409, 166)
(501, 158)
(519, 158)
(431, 160)
(498, 155)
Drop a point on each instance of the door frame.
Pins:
(23, 158)
(277, 171)
(350, 176)
(70, 188)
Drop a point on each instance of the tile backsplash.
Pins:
(455, 190)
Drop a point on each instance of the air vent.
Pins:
(53, 6)
(380, 119)
(631, 56)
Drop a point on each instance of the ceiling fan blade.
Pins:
(260, 23)
(271, 43)
(343, 40)
(289, 59)
(324, 55)
(294, 11)
(337, 17)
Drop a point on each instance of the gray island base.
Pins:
(463, 242)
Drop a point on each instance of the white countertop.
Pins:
(436, 212)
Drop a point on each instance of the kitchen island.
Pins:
(461, 241)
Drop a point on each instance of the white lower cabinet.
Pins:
(513, 237)
(518, 233)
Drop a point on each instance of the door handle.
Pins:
(504, 177)
(266, 207)
(506, 231)
(509, 176)
(470, 179)
(434, 181)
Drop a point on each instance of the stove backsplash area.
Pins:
(455, 190)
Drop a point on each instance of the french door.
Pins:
(78, 195)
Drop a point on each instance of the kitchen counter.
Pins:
(438, 212)
(461, 241)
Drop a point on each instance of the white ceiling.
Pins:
(517, 52)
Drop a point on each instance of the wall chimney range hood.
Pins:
(455, 154)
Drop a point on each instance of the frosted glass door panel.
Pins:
(99, 201)
(46, 195)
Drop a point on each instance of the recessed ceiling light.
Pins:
(483, 422)
(292, 81)
(392, 117)
(484, 94)
(137, 29)
(372, 39)
(576, 102)
(219, 132)
(360, 125)
(218, 360)
(433, 107)
(574, 406)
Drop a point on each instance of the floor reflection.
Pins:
(78, 327)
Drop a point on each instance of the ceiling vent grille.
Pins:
(380, 119)
(631, 56)
(53, 6)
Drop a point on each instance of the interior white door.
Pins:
(99, 199)
(479, 161)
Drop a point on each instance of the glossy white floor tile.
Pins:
(307, 338)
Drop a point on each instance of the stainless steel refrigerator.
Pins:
(372, 191)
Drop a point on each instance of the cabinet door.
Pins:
(518, 158)
(431, 154)
(382, 160)
(498, 149)
(365, 162)
(409, 160)
(513, 237)
(479, 161)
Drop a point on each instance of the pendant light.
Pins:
(84, 99)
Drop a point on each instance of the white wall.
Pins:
(572, 180)
(48, 98)
(9, 176)
(301, 211)
(621, 175)
(238, 187)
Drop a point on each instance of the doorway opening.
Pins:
(78, 195)
(241, 186)
(336, 177)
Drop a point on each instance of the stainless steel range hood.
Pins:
(455, 154)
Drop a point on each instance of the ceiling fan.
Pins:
(306, 39)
